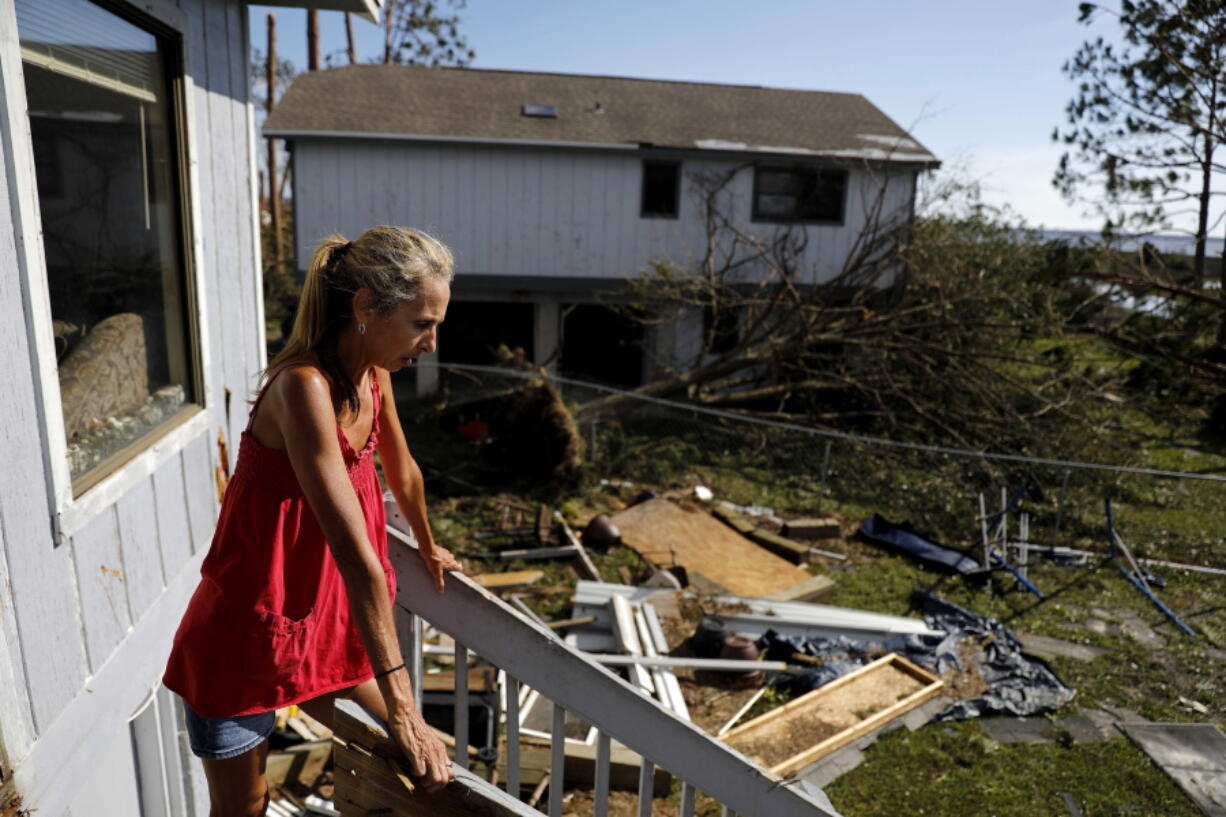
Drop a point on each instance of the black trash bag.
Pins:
(1017, 684)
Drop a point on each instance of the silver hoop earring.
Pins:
(361, 329)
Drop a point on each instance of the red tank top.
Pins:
(269, 623)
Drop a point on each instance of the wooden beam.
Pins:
(510, 579)
(371, 778)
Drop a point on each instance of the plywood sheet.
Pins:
(667, 534)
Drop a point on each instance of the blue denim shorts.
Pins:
(221, 738)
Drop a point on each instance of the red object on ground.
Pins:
(474, 430)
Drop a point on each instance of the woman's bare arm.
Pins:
(405, 481)
(302, 403)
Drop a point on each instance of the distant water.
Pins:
(1166, 243)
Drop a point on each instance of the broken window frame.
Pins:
(646, 205)
(77, 501)
(812, 211)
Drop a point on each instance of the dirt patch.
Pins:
(968, 682)
(797, 735)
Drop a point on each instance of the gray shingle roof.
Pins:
(481, 105)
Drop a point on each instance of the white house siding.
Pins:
(85, 624)
(532, 212)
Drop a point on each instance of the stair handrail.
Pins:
(532, 653)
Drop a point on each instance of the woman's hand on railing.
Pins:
(439, 560)
(427, 756)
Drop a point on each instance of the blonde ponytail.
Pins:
(389, 261)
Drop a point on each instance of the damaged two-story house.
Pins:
(554, 189)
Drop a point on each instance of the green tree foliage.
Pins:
(420, 32)
(1146, 122)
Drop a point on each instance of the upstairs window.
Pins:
(661, 189)
(809, 194)
(103, 108)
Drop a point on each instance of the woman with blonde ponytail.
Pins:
(294, 603)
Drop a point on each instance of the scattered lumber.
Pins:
(371, 778)
(666, 535)
(785, 548)
(509, 580)
(812, 529)
(543, 527)
(834, 714)
(301, 764)
(785, 617)
(562, 624)
(686, 662)
(811, 589)
(480, 679)
(624, 766)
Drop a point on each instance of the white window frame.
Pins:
(71, 513)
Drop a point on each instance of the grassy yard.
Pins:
(943, 768)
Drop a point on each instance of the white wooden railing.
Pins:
(531, 654)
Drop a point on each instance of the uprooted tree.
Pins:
(939, 328)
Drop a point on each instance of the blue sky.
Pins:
(979, 83)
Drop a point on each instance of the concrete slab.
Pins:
(1086, 729)
(832, 767)
(1047, 647)
(1019, 730)
(1139, 628)
(1193, 754)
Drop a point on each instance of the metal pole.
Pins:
(1055, 537)
(821, 491)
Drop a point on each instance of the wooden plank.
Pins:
(480, 680)
(811, 589)
(100, 581)
(60, 761)
(667, 534)
(300, 764)
(370, 778)
(686, 662)
(835, 714)
(142, 558)
(582, 766)
(627, 634)
(508, 580)
(201, 497)
(781, 546)
(174, 529)
(530, 652)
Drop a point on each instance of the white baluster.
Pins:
(557, 761)
(603, 750)
(687, 800)
(647, 774)
(461, 705)
(513, 736)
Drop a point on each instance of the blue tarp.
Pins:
(880, 531)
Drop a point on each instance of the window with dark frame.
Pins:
(661, 189)
(809, 194)
(101, 96)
